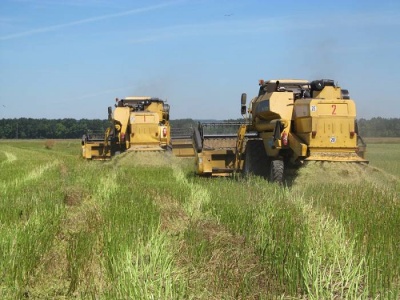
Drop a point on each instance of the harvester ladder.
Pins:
(106, 138)
(239, 145)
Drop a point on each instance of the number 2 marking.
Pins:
(333, 109)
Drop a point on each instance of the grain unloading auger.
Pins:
(289, 122)
(137, 124)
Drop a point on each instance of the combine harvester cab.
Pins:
(289, 122)
(137, 124)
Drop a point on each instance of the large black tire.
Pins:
(256, 160)
(276, 170)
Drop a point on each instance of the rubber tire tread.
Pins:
(256, 160)
(276, 171)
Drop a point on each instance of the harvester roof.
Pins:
(282, 85)
(289, 81)
(136, 99)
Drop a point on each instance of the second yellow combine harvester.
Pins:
(137, 123)
(289, 122)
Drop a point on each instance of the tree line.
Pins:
(27, 128)
(379, 127)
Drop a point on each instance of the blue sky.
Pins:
(72, 58)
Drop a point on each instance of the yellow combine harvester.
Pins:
(138, 123)
(289, 122)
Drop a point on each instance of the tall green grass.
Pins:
(138, 258)
(371, 218)
(31, 209)
(385, 157)
(128, 229)
(267, 218)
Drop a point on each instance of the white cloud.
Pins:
(68, 2)
(87, 20)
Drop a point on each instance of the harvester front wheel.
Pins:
(256, 160)
(276, 171)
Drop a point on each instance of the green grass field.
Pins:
(142, 226)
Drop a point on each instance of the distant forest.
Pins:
(26, 128)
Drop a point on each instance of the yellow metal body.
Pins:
(221, 155)
(138, 123)
(318, 127)
(296, 120)
(95, 150)
(217, 162)
(326, 128)
(182, 140)
(182, 147)
(143, 129)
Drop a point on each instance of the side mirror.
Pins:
(243, 100)
(109, 113)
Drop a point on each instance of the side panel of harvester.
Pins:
(216, 151)
(182, 141)
(97, 145)
(95, 150)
